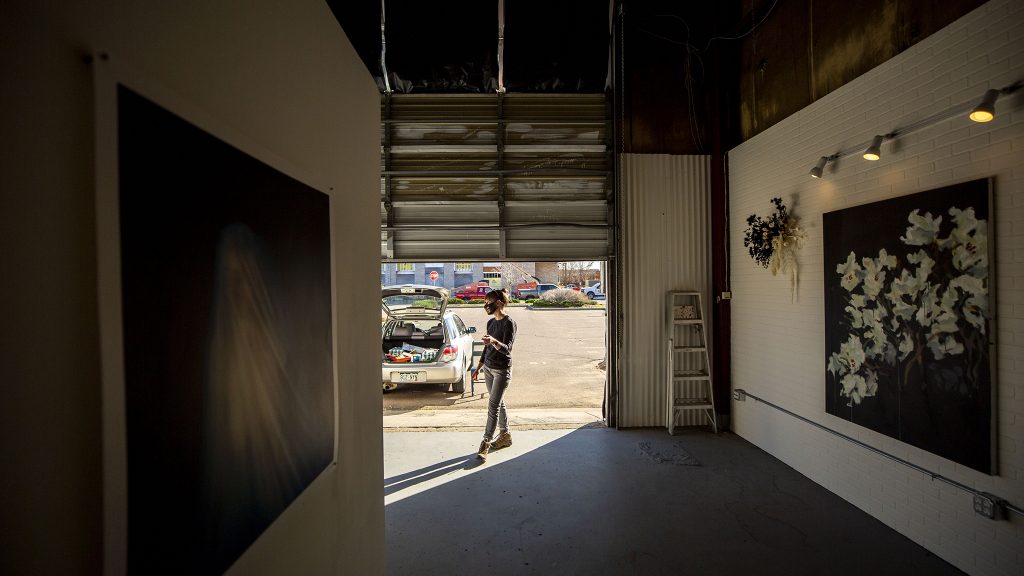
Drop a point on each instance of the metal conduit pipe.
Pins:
(383, 51)
(740, 394)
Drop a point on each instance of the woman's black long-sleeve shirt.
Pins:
(504, 331)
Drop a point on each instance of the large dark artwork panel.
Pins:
(908, 320)
(229, 390)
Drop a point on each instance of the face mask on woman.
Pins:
(490, 307)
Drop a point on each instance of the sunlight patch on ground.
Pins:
(422, 473)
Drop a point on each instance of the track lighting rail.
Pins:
(983, 111)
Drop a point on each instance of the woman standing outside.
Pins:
(496, 363)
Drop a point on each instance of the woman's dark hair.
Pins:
(499, 295)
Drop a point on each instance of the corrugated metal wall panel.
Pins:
(665, 203)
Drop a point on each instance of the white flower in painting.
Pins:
(834, 365)
(851, 354)
(851, 384)
(944, 320)
(922, 230)
(871, 317)
(907, 286)
(851, 272)
(906, 346)
(886, 260)
(902, 312)
(902, 293)
(975, 306)
(924, 265)
(858, 300)
(970, 242)
(929, 307)
(965, 222)
(975, 310)
(870, 384)
(856, 317)
(877, 340)
(857, 387)
(874, 277)
(969, 285)
(938, 317)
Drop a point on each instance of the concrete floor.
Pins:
(599, 501)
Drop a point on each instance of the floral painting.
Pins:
(908, 320)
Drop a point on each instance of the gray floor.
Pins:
(599, 501)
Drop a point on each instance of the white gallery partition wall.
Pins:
(779, 339)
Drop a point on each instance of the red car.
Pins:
(475, 291)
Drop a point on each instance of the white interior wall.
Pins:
(665, 234)
(778, 347)
(283, 77)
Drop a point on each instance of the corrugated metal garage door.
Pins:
(492, 177)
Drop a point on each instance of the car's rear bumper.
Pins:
(425, 373)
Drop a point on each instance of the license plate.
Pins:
(409, 376)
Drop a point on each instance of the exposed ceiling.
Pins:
(451, 46)
(689, 74)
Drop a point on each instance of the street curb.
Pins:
(457, 306)
(574, 309)
(474, 419)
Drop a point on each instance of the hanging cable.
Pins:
(383, 51)
(501, 46)
(745, 34)
(693, 48)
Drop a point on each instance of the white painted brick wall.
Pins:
(778, 347)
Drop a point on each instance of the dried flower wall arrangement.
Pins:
(774, 241)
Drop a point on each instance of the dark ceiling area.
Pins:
(451, 45)
(689, 77)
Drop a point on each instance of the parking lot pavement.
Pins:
(555, 358)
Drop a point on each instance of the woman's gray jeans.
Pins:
(497, 382)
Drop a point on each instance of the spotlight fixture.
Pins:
(819, 167)
(985, 111)
(874, 152)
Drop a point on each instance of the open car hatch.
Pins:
(414, 301)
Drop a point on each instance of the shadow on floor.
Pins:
(601, 501)
(403, 481)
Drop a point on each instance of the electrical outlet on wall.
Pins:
(989, 506)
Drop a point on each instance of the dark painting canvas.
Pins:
(908, 320)
(229, 388)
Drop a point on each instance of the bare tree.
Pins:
(574, 273)
(512, 274)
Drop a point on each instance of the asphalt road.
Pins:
(554, 364)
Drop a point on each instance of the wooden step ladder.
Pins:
(689, 367)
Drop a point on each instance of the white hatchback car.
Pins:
(422, 343)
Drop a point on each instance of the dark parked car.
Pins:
(527, 293)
